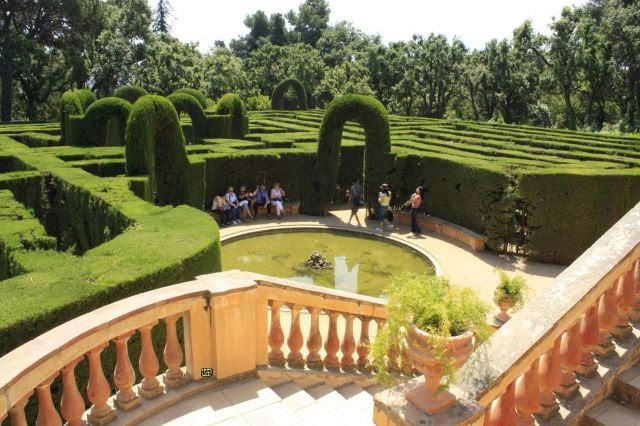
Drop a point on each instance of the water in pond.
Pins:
(359, 264)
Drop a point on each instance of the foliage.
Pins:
(372, 116)
(433, 305)
(161, 17)
(130, 93)
(93, 127)
(349, 78)
(231, 104)
(184, 102)
(73, 103)
(515, 288)
(200, 97)
(258, 103)
(155, 147)
(277, 98)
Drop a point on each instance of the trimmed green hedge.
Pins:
(104, 116)
(73, 102)
(378, 161)
(155, 147)
(568, 210)
(202, 99)
(130, 93)
(184, 102)
(231, 104)
(277, 97)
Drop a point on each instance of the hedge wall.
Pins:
(130, 93)
(577, 205)
(183, 102)
(202, 99)
(155, 147)
(92, 128)
(231, 104)
(378, 162)
(277, 97)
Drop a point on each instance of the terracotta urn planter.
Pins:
(423, 357)
(505, 303)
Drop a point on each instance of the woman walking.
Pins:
(416, 201)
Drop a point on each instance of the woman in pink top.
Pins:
(416, 202)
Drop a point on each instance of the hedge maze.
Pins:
(80, 228)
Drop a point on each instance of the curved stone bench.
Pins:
(466, 236)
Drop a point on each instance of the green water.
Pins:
(359, 264)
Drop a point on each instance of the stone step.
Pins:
(360, 403)
(611, 413)
(627, 387)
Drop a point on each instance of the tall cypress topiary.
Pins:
(277, 97)
(155, 147)
(73, 102)
(202, 99)
(184, 102)
(373, 117)
(231, 104)
(130, 93)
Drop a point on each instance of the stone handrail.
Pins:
(534, 356)
(225, 319)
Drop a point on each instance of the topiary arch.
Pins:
(94, 124)
(277, 97)
(373, 117)
(155, 147)
(130, 93)
(231, 104)
(73, 102)
(184, 102)
(202, 99)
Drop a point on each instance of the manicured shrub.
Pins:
(372, 116)
(202, 99)
(73, 102)
(277, 97)
(184, 102)
(231, 104)
(99, 119)
(155, 147)
(218, 126)
(130, 93)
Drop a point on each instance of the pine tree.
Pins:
(161, 17)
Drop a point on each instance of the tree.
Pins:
(348, 78)
(312, 18)
(161, 17)
(221, 72)
(278, 29)
(258, 25)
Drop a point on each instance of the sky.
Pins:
(474, 21)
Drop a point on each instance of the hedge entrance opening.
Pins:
(373, 117)
(277, 98)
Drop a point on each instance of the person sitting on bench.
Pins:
(261, 197)
(245, 202)
(219, 206)
(277, 198)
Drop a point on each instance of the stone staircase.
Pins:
(622, 408)
(265, 400)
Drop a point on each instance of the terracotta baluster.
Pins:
(72, 405)
(314, 341)
(332, 345)
(174, 377)
(295, 340)
(98, 389)
(626, 300)
(589, 338)
(549, 376)
(124, 376)
(47, 413)
(16, 413)
(527, 396)
(607, 320)
(348, 346)
(363, 345)
(148, 365)
(634, 314)
(503, 409)
(570, 356)
(276, 336)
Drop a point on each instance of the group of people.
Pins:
(235, 208)
(356, 200)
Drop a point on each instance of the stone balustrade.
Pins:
(231, 325)
(533, 359)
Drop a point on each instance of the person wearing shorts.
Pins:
(355, 200)
(384, 200)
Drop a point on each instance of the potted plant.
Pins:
(437, 326)
(511, 293)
